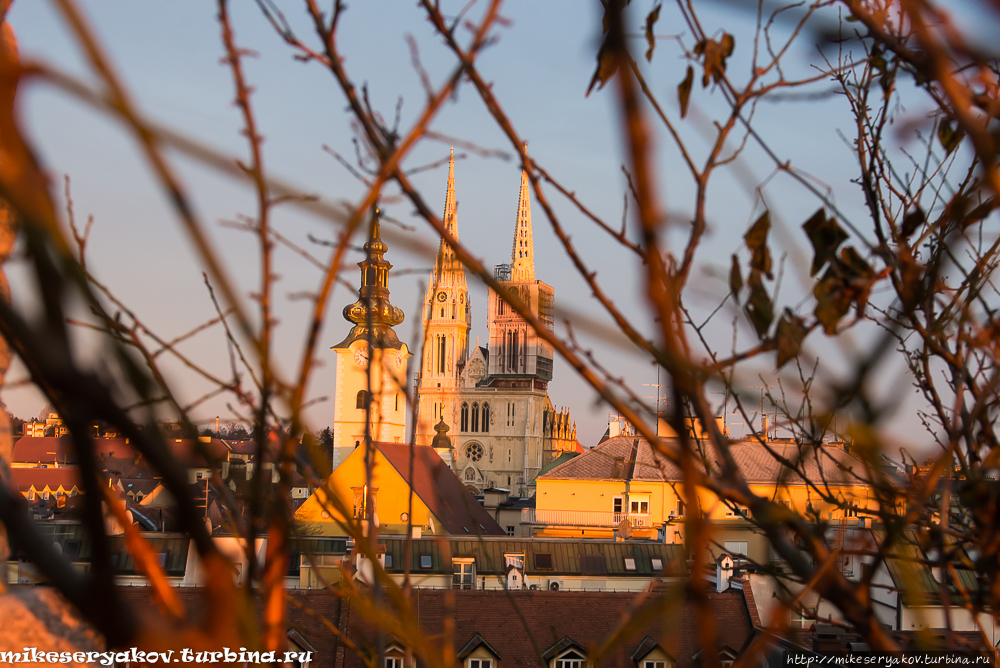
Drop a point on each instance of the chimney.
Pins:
(764, 427)
(723, 572)
(614, 428)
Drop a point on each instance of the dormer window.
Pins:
(480, 663)
(571, 659)
(654, 664)
(393, 662)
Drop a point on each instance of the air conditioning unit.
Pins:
(533, 587)
(557, 585)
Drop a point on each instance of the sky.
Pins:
(168, 53)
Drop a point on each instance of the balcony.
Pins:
(583, 518)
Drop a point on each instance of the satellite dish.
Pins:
(625, 528)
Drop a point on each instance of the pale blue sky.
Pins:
(169, 53)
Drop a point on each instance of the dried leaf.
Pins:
(684, 91)
(735, 279)
(950, 135)
(855, 266)
(759, 307)
(606, 66)
(790, 334)
(825, 235)
(651, 20)
(832, 301)
(912, 222)
(756, 240)
(728, 44)
(714, 56)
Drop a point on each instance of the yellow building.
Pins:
(441, 506)
(623, 486)
(371, 361)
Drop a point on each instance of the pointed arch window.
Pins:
(486, 418)
(441, 353)
(475, 417)
(465, 416)
(363, 399)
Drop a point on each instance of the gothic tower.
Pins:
(447, 319)
(371, 361)
(515, 348)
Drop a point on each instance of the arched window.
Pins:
(441, 352)
(486, 418)
(465, 416)
(475, 417)
(363, 399)
(397, 401)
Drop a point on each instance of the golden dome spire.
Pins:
(373, 309)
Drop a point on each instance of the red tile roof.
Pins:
(581, 618)
(757, 464)
(436, 485)
(43, 450)
(22, 480)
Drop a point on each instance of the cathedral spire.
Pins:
(450, 216)
(447, 269)
(523, 252)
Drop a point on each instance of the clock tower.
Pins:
(371, 361)
(447, 319)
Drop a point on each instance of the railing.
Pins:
(583, 518)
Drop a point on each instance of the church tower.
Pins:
(371, 361)
(515, 348)
(447, 319)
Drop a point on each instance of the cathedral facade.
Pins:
(493, 400)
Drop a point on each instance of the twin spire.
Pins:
(522, 254)
(447, 267)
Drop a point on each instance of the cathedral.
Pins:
(486, 410)
(494, 399)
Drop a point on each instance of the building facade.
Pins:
(503, 426)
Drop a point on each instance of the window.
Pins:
(393, 662)
(441, 350)
(639, 506)
(510, 530)
(593, 564)
(480, 663)
(543, 561)
(475, 417)
(464, 574)
(387, 561)
(680, 508)
(474, 452)
(654, 664)
(515, 560)
(397, 401)
(617, 504)
(465, 416)
(737, 548)
(736, 511)
(804, 617)
(629, 564)
(363, 399)
(486, 419)
(426, 561)
(657, 563)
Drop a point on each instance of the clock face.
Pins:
(442, 296)
(361, 356)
